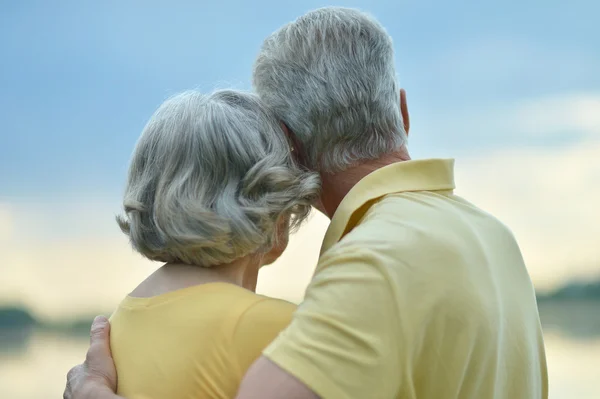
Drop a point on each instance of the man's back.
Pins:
(435, 298)
(466, 306)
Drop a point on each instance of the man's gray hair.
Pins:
(330, 77)
(209, 180)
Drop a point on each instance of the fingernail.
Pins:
(99, 320)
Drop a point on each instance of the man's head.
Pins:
(330, 77)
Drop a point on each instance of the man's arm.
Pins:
(267, 380)
(96, 378)
(343, 340)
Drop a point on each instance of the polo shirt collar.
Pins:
(418, 175)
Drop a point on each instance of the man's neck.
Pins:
(337, 185)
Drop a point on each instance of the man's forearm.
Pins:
(267, 380)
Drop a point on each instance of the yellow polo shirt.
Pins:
(417, 294)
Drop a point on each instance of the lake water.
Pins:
(33, 365)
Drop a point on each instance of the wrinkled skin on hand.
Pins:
(96, 378)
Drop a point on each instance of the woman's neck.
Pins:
(174, 276)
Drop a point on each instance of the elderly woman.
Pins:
(212, 192)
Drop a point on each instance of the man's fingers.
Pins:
(68, 390)
(72, 376)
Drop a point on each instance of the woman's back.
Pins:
(195, 342)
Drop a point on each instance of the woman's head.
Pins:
(212, 180)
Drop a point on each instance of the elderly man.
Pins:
(417, 293)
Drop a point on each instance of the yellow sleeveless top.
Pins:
(196, 342)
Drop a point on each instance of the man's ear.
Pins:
(404, 111)
(296, 147)
(286, 131)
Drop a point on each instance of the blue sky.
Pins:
(511, 89)
(79, 79)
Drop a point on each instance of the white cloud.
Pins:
(71, 275)
(549, 197)
(538, 170)
(577, 112)
(537, 122)
(6, 222)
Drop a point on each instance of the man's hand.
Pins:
(96, 378)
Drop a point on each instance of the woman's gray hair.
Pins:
(210, 178)
(330, 76)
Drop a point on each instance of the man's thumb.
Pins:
(99, 348)
(100, 330)
(98, 361)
